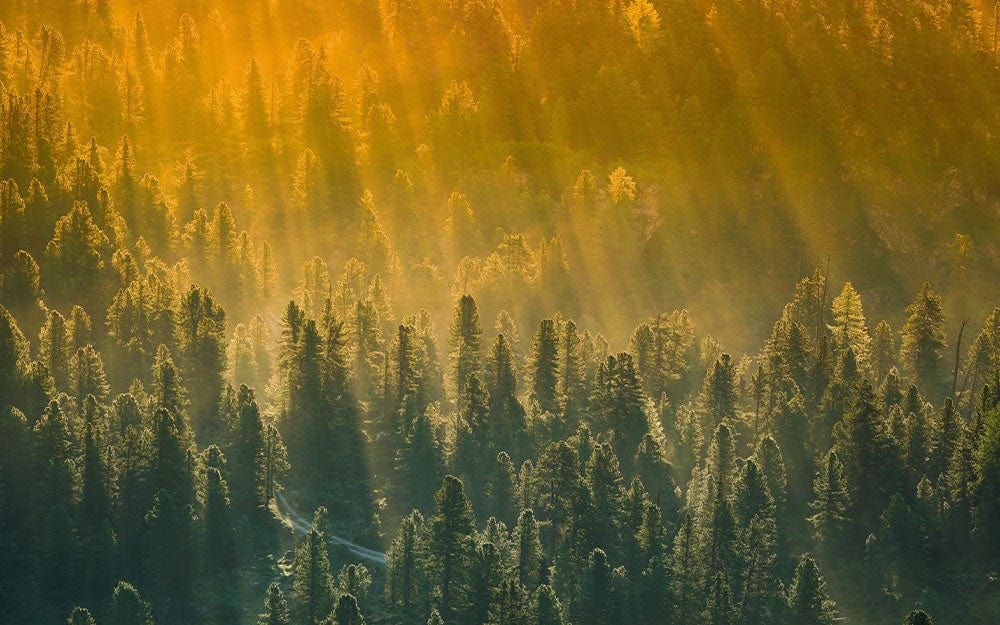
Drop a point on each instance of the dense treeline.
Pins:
(666, 483)
(620, 138)
(384, 262)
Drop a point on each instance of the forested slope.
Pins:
(582, 313)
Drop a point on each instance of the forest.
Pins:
(499, 312)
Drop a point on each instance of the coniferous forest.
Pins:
(499, 312)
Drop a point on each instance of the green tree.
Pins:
(220, 546)
(923, 341)
(404, 565)
(347, 612)
(832, 502)
(917, 617)
(55, 349)
(202, 329)
(863, 446)
(128, 607)
(545, 366)
(596, 602)
(452, 530)
(313, 582)
(248, 456)
(546, 609)
(275, 607)
(850, 327)
(529, 554)
(80, 616)
(76, 258)
(466, 347)
(808, 602)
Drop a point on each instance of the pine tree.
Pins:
(486, 583)
(220, 546)
(313, 582)
(768, 457)
(718, 394)
(80, 616)
(832, 502)
(466, 346)
(128, 607)
(850, 326)
(347, 612)
(355, 580)
(544, 366)
(502, 489)
(452, 531)
(55, 349)
(202, 328)
(864, 448)
(657, 475)
(688, 572)
(720, 602)
(986, 489)
(53, 449)
(945, 437)
(87, 375)
(169, 549)
(529, 554)
(248, 456)
(917, 617)
(883, 350)
(501, 376)
(924, 341)
(618, 404)
(404, 562)
(572, 376)
(546, 609)
(171, 468)
(654, 585)
(418, 466)
(604, 479)
(808, 602)
(596, 602)
(59, 557)
(76, 257)
(275, 607)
